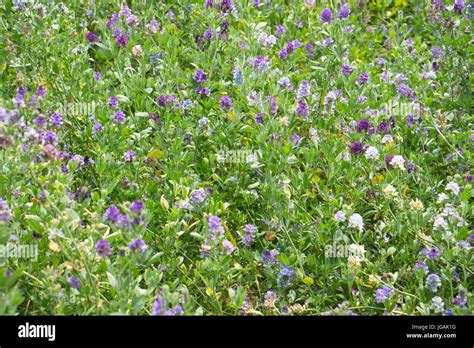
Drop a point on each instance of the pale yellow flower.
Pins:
(283, 121)
(374, 280)
(416, 205)
(137, 51)
(389, 191)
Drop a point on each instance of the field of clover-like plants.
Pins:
(222, 157)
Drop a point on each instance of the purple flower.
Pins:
(328, 41)
(41, 91)
(19, 99)
(165, 100)
(170, 14)
(344, 12)
(438, 4)
(280, 30)
(50, 137)
(33, 101)
(91, 37)
(460, 300)
(303, 91)
(249, 236)
(433, 282)
(363, 126)
(294, 138)
(437, 53)
(113, 102)
(138, 244)
(458, 6)
(326, 16)
(388, 161)
(361, 99)
(270, 256)
(40, 121)
(226, 6)
(283, 53)
(227, 247)
(223, 30)
(97, 128)
(215, 225)
(199, 76)
(125, 11)
(74, 282)
(411, 167)
(199, 196)
(410, 120)
(113, 21)
(121, 40)
(96, 76)
(302, 109)
(260, 63)
(356, 147)
(422, 265)
(4, 211)
(226, 103)
(381, 61)
(346, 69)
(406, 91)
(384, 293)
(273, 104)
(113, 214)
(153, 27)
(382, 128)
(289, 48)
(103, 248)
(208, 34)
(363, 78)
(119, 117)
(285, 277)
(159, 307)
(271, 298)
(309, 50)
(177, 310)
(432, 253)
(129, 156)
(293, 45)
(203, 91)
(64, 169)
(137, 207)
(56, 120)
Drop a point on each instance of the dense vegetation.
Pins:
(236, 157)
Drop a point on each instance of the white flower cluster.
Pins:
(390, 191)
(268, 41)
(437, 304)
(449, 213)
(355, 220)
(387, 138)
(453, 187)
(340, 216)
(371, 153)
(398, 162)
